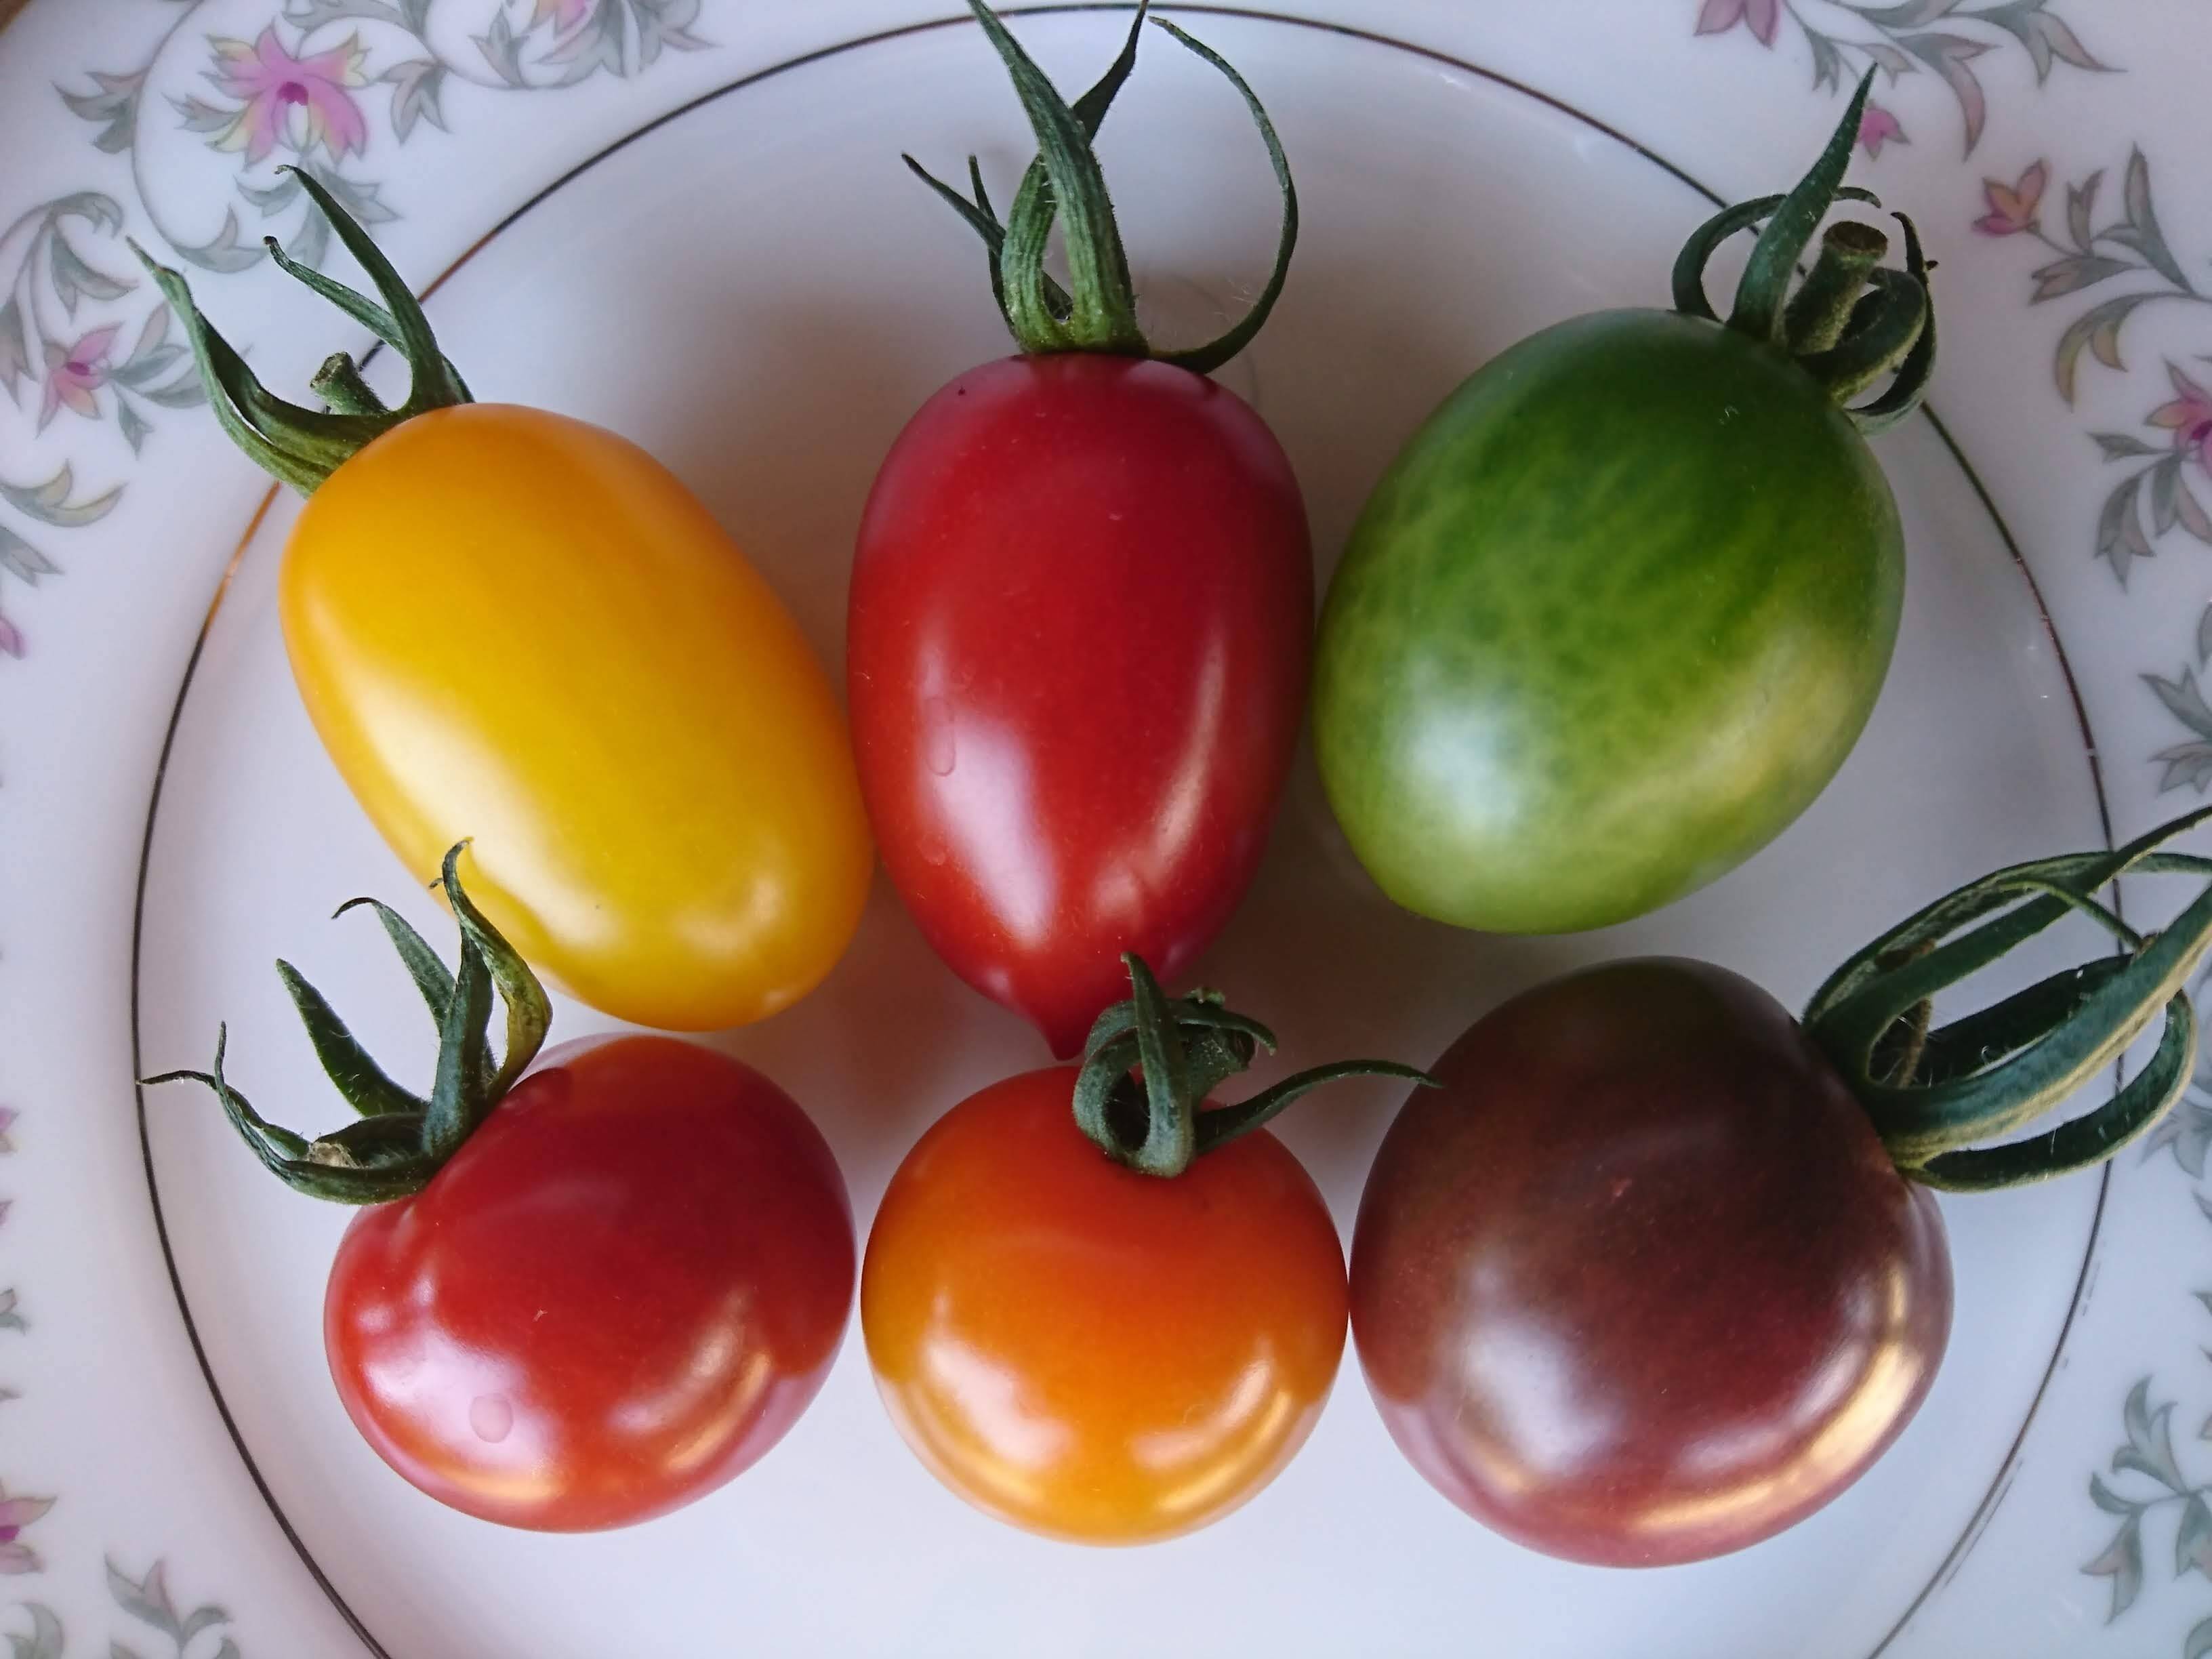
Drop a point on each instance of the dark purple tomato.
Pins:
(1637, 1284)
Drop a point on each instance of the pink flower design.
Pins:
(273, 83)
(563, 14)
(75, 373)
(11, 637)
(1718, 16)
(1878, 127)
(16, 1514)
(2012, 207)
(2189, 417)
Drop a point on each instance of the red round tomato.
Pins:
(1638, 1283)
(1089, 1352)
(622, 1289)
(1080, 624)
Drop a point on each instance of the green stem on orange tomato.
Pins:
(1150, 1063)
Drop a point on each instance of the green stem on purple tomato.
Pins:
(1937, 1096)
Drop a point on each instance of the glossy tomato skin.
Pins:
(1080, 625)
(1637, 1284)
(515, 627)
(1613, 619)
(1087, 1353)
(623, 1289)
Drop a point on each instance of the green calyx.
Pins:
(400, 1138)
(303, 447)
(1852, 321)
(1098, 309)
(1185, 1049)
(1935, 1093)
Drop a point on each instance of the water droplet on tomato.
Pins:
(937, 749)
(491, 1416)
(933, 850)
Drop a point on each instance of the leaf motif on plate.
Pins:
(2099, 330)
(2075, 271)
(415, 87)
(2122, 1563)
(2142, 231)
(146, 1599)
(43, 1640)
(2120, 537)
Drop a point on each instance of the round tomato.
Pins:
(1089, 1352)
(1079, 623)
(1638, 1283)
(621, 1291)
(1623, 605)
(514, 627)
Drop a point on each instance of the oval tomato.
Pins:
(513, 626)
(1079, 621)
(1081, 612)
(1089, 1352)
(1638, 1283)
(1623, 605)
(1574, 665)
(621, 1291)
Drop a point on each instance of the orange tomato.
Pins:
(1089, 1352)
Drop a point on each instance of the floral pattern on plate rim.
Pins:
(2110, 241)
(299, 93)
(79, 351)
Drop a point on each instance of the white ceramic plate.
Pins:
(686, 219)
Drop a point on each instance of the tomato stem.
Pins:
(303, 447)
(339, 384)
(1818, 312)
(1097, 310)
(1183, 1049)
(402, 1139)
(1851, 322)
(1935, 1093)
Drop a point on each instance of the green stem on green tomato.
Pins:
(401, 1139)
(1937, 1095)
(1097, 310)
(1183, 1048)
(1846, 339)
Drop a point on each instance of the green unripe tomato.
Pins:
(1612, 620)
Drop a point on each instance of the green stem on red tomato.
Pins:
(303, 447)
(1150, 1063)
(1097, 310)
(1847, 340)
(1993, 1072)
(401, 1139)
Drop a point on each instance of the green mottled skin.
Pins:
(1609, 623)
